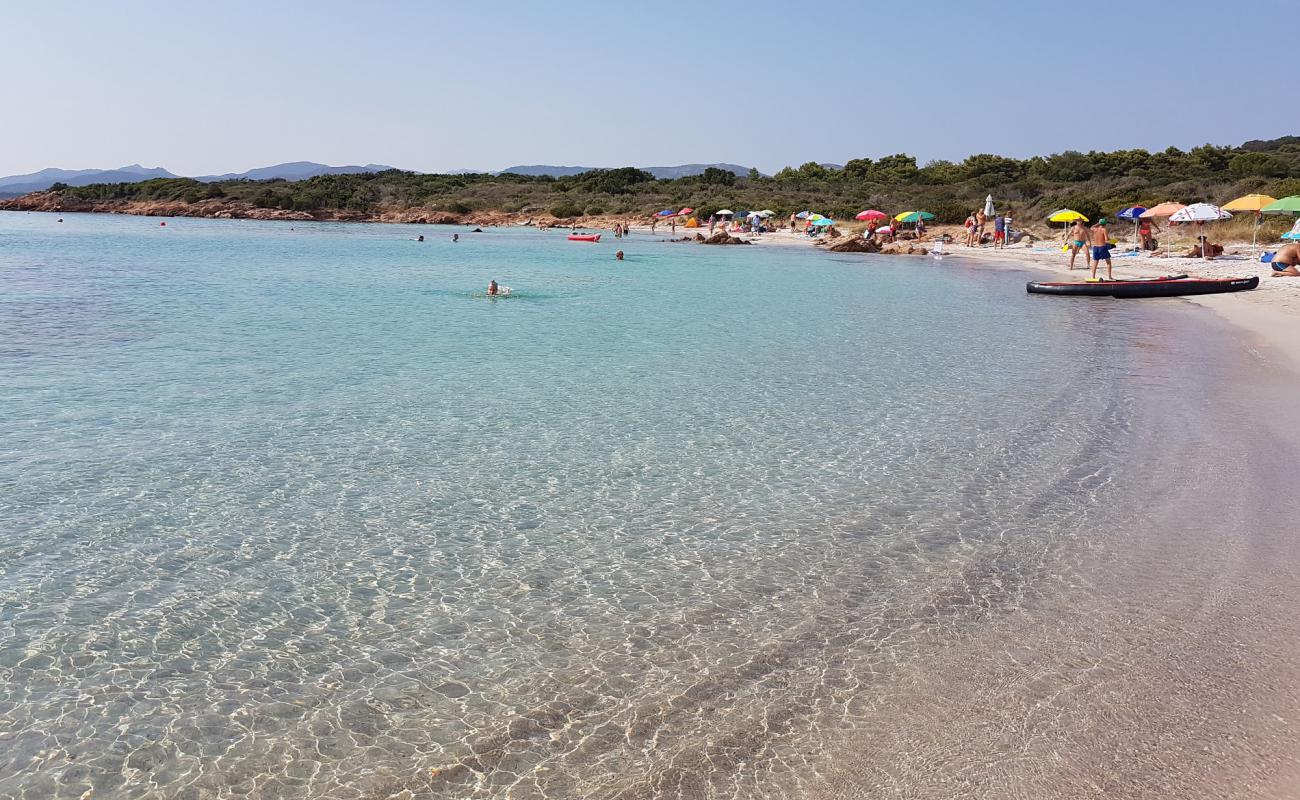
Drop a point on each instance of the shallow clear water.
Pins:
(297, 512)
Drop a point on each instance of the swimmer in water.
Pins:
(619, 255)
(493, 289)
(455, 237)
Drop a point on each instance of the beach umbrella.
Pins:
(684, 212)
(726, 212)
(1251, 202)
(767, 212)
(871, 214)
(1200, 213)
(666, 213)
(988, 207)
(1293, 234)
(1066, 215)
(913, 216)
(1166, 209)
(803, 215)
(823, 222)
(1132, 213)
(1287, 205)
(815, 217)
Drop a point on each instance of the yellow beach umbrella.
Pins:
(1251, 202)
(1066, 215)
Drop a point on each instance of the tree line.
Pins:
(1092, 183)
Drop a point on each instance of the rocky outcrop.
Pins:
(854, 244)
(722, 237)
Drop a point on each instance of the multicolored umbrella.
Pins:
(913, 216)
(871, 214)
(684, 212)
(803, 215)
(823, 222)
(1132, 212)
(1293, 234)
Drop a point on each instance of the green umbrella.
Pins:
(1287, 205)
(915, 216)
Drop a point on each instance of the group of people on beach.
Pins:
(975, 225)
(1095, 244)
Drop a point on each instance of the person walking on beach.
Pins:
(1100, 238)
(1077, 239)
(673, 222)
(980, 221)
(970, 229)
(654, 222)
(999, 232)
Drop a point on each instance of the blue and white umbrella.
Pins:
(1132, 212)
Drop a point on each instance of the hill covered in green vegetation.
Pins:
(1091, 183)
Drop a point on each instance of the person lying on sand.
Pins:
(1286, 262)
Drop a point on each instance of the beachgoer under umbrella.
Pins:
(1145, 235)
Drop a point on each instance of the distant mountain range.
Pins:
(15, 185)
(679, 171)
(36, 181)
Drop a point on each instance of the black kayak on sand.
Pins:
(1169, 286)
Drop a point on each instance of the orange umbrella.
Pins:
(1163, 210)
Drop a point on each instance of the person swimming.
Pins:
(420, 238)
(455, 237)
(493, 289)
(619, 255)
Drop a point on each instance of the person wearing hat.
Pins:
(1100, 240)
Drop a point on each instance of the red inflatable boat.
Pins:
(584, 237)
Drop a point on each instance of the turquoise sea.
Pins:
(294, 511)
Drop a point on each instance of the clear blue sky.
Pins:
(214, 87)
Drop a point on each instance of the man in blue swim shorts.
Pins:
(1099, 237)
(1287, 262)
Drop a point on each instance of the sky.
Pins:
(202, 88)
